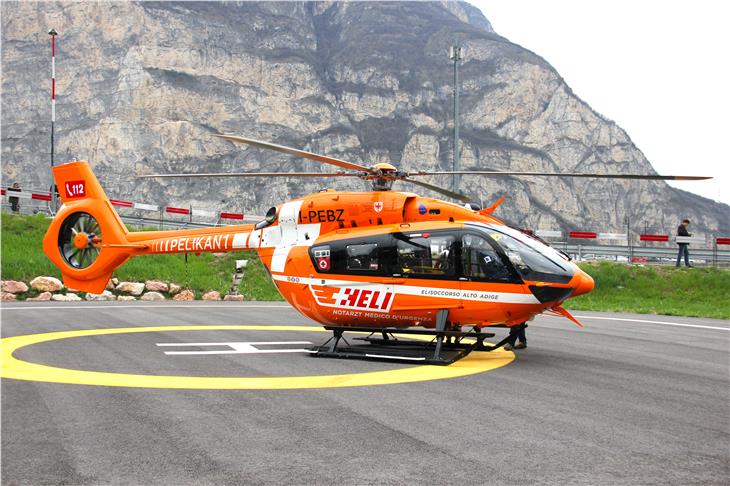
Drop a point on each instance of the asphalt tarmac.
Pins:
(629, 399)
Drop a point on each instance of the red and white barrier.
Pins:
(171, 210)
(120, 203)
(585, 235)
(549, 234)
(206, 213)
(46, 196)
(146, 207)
(654, 237)
(694, 240)
(623, 237)
(232, 216)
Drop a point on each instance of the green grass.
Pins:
(21, 248)
(23, 259)
(700, 292)
(696, 292)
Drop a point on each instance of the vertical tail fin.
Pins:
(86, 240)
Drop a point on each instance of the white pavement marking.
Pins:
(229, 306)
(236, 348)
(662, 323)
(113, 305)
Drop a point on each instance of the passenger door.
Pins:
(487, 278)
(427, 265)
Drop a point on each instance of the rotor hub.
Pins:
(81, 240)
(384, 168)
(383, 175)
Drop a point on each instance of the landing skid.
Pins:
(382, 344)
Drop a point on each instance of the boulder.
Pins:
(212, 295)
(70, 297)
(184, 295)
(126, 298)
(233, 298)
(105, 295)
(174, 288)
(5, 296)
(42, 297)
(133, 288)
(14, 287)
(109, 285)
(115, 281)
(46, 284)
(152, 296)
(156, 286)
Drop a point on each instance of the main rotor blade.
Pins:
(566, 174)
(441, 190)
(255, 174)
(299, 153)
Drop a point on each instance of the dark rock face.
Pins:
(142, 86)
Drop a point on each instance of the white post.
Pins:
(53, 34)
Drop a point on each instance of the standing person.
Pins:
(683, 247)
(517, 333)
(14, 200)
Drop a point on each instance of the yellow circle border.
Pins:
(13, 368)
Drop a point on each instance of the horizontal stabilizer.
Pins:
(493, 207)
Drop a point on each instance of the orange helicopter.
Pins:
(376, 261)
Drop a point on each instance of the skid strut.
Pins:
(445, 346)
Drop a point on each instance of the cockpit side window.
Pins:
(363, 257)
(481, 260)
(357, 256)
(426, 255)
(433, 255)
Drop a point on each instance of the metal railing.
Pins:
(37, 201)
(702, 251)
(139, 221)
(644, 254)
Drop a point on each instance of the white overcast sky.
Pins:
(658, 69)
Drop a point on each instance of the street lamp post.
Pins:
(456, 54)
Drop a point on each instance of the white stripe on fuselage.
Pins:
(417, 290)
(239, 240)
(287, 234)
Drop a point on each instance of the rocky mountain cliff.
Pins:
(143, 86)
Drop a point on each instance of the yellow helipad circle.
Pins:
(11, 367)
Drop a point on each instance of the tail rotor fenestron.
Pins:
(79, 240)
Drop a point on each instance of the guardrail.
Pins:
(139, 221)
(625, 247)
(643, 254)
(650, 248)
(135, 213)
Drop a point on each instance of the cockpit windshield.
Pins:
(533, 260)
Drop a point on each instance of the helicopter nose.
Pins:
(583, 283)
